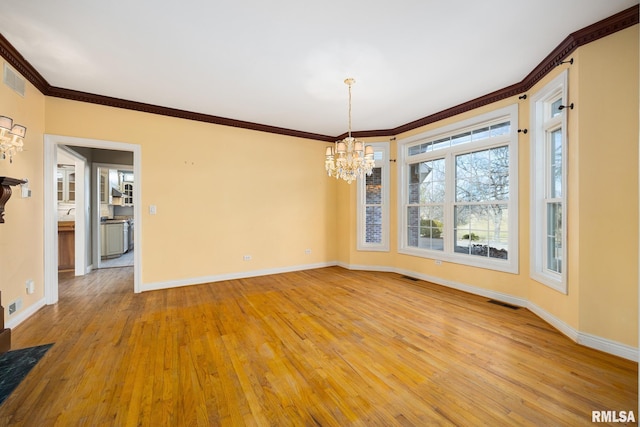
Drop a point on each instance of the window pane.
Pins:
(466, 234)
(461, 138)
(426, 182)
(555, 107)
(498, 241)
(480, 134)
(437, 177)
(554, 237)
(499, 181)
(441, 143)
(464, 184)
(373, 187)
(482, 230)
(483, 175)
(413, 226)
(373, 228)
(555, 162)
(431, 224)
(501, 129)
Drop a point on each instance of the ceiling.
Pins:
(282, 63)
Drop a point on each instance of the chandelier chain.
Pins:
(349, 84)
(349, 158)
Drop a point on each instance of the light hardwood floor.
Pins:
(325, 347)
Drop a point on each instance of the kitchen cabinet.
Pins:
(66, 245)
(66, 184)
(105, 190)
(112, 239)
(127, 193)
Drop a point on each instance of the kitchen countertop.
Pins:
(66, 225)
(114, 221)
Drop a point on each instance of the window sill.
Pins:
(553, 282)
(508, 266)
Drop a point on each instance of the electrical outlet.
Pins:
(247, 258)
(307, 251)
(438, 262)
(31, 287)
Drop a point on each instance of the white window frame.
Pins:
(510, 265)
(362, 244)
(542, 124)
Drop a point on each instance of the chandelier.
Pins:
(349, 158)
(11, 138)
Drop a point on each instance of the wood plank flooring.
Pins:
(325, 347)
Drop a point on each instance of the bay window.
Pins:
(458, 192)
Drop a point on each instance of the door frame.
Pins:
(82, 217)
(51, 143)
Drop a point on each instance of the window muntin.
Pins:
(459, 192)
(373, 203)
(548, 184)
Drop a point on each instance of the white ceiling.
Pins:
(282, 63)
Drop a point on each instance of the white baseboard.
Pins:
(608, 346)
(583, 338)
(520, 302)
(15, 320)
(230, 276)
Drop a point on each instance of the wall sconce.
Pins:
(11, 138)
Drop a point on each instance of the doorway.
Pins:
(115, 214)
(51, 144)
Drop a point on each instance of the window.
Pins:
(548, 184)
(458, 192)
(373, 203)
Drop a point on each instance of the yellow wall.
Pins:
(21, 235)
(608, 186)
(224, 192)
(602, 297)
(221, 192)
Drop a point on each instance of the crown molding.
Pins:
(108, 101)
(21, 65)
(608, 26)
(620, 21)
